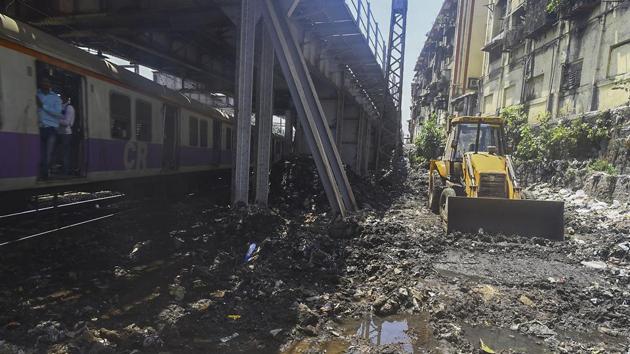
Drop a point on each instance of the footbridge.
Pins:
(322, 65)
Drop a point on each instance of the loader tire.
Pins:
(446, 193)
(435, 193)
(527, 195)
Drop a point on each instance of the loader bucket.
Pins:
(532, 218)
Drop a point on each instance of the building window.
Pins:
(193, 130)
(509, 98)
(228, 139)
(534, 87)
(571, 75)
(488, 104)
(203, 133)
(143, 120)
(619, 63)
(120, 114)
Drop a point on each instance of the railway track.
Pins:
(51, 214)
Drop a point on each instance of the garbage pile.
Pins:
(195, 277)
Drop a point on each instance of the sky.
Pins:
(420, 17)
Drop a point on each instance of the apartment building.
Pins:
(450, 66)
(558, 58)
(560, 61)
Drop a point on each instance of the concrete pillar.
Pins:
(264, 118)
(360, 143)
(289, 118)
(349, 140)
(341, 97)
(240, 193)
(367, 134)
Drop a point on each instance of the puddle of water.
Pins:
(503, 339)
(411, 333)
(334, 346)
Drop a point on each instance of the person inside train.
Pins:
(49, 114)
(65, 133)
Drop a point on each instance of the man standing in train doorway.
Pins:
(65, 133)
(49, 113)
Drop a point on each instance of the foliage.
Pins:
(430, 141)
(602, 166)
(624, 85)
(529, 147)
(515, 119)
(555, 6)
(556, 141)
(552, 6)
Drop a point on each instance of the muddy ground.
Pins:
(175, 277)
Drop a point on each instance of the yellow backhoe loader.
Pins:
(474, 187)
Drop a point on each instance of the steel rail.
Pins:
(66, 205)
(25, 238)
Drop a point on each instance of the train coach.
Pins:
(126, 126)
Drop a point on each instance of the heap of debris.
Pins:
(188, 277)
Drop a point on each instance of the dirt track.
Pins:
(173, 278)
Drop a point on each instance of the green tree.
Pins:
(430, 141)
(515, 119)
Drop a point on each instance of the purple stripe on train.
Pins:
(19, 155)
(120, 155)
(195, 156)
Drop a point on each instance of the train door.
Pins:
(68, 159)
(170, 155)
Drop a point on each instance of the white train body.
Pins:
(126, 126)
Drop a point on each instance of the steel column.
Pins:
(310, 112)
(264, 119)
(244, 97)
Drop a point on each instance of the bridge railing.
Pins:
(361, 10)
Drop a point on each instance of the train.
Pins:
(127, 127)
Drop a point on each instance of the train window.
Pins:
(216, 135)
(228, 139)
(120, 111)
(203, 133)
(193, 139)
(143, 120)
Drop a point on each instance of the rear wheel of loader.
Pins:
(435, 193)
(446, 193)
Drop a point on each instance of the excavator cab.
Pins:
(474, 187)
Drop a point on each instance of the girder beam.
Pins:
(310, 112)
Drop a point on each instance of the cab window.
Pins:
(489, 135)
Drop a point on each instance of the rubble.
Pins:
(295, 278)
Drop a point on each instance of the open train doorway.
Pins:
(68, 157)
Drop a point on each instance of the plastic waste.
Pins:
(485, 348)
(251, 251)
(229, 338)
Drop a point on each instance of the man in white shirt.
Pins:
(65, 133)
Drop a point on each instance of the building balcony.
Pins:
(514, 37)
(577, 8)
(537, 19)
(495, 43)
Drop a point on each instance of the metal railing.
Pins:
(361, 11)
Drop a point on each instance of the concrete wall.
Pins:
(598, 40)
